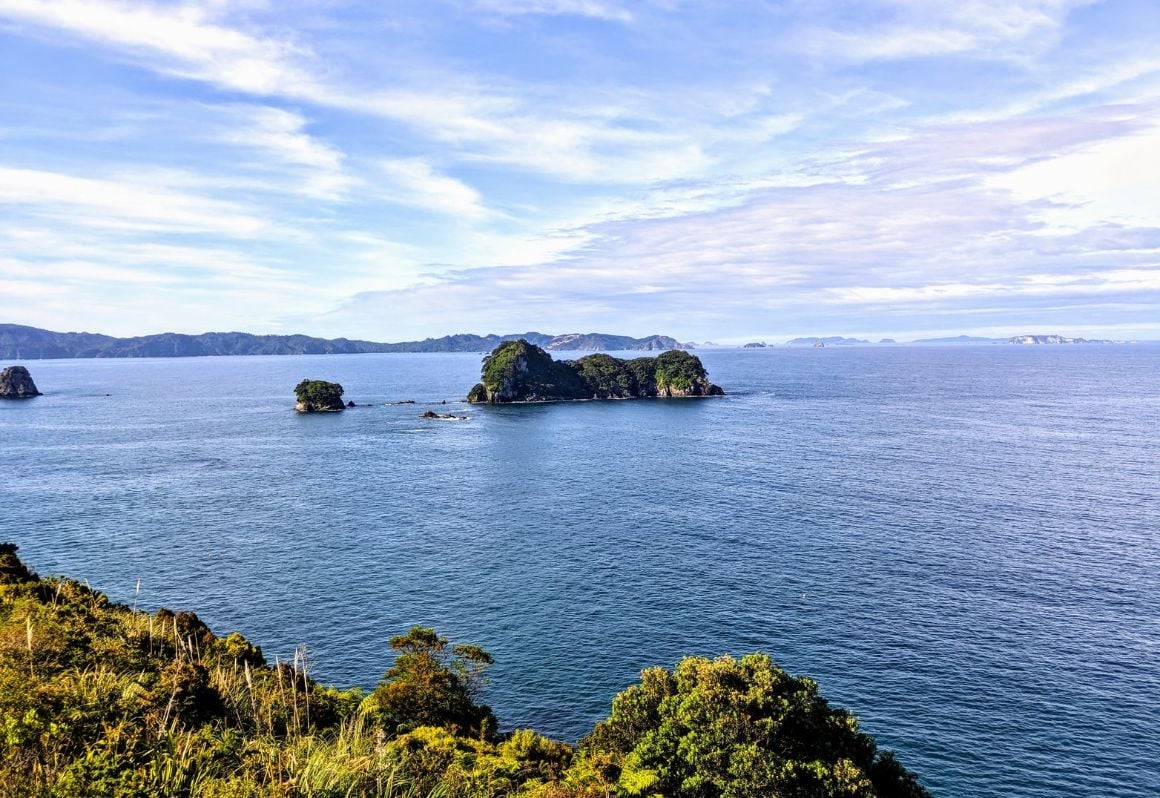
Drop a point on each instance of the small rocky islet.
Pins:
(520, 371)
(16, 383)
(318, 396)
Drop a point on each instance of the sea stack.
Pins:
(16, 383)
(318, 396)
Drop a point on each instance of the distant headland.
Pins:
(19, 342)
(974, 340)
(520, 371)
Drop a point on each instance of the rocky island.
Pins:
(519, 371)
(16, 383)
(318, 396)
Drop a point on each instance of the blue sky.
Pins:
(727, 171)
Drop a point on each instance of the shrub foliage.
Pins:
(97, 699)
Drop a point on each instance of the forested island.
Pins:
(318, 396)
(103, 701)
(520, 371)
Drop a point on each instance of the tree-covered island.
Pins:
(519, 371)
(318, 396)
(98, 700)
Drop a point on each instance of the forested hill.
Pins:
(18, 342)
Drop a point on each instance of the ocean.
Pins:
(960, 544)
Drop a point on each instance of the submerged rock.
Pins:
(432, 415)
(16, 383)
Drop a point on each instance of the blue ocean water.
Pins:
(959, 544)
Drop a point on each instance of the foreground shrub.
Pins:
(101, 701)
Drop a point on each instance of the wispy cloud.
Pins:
(414, 182)
(577, 163)
(281, 136)
(922, 228)
(909, 28)
(597, 9)
(122, 204)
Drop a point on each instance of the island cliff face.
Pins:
(16, 383)
(519, 371)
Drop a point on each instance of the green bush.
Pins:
(102, 701)
(729, 728)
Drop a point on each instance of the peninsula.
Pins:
(31, 343)
(520, 371)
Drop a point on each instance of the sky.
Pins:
(733, 171)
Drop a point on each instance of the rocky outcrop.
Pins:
(519, 371)
(16, 383)
(318, 396)
(431, 415)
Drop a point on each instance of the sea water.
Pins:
(962, 545)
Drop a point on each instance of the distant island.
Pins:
(520, 371)
(18, 342)
(831, 340)
(973, 340)
(1054, 339)
(957, 339)
(1017, 339)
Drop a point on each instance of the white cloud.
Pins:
(1108, 180)
(994, 29)
(185, 39)
(1113, 281)
(415, 182)
(123, 204)
(316, 168)
(478, 122)
(597, 9)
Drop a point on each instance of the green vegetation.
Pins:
(97, 699)
(517, 371)
(678, 373)
(734, 728)
(317, 396)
